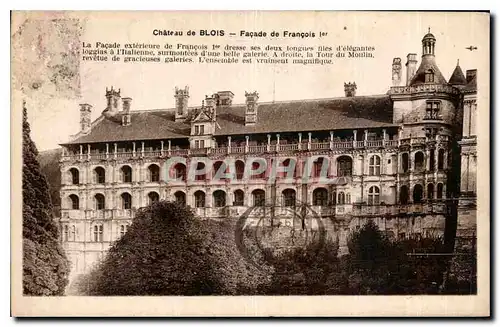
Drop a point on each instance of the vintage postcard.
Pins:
(210, 163)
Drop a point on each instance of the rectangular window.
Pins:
(202, 144)
(196, 130)
(432, 110)
(196, 144)
(202, 129)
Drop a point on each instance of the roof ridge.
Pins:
(269, 102)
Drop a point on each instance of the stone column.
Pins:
(355, 133)
(116, 150)
(133, 149)
(246, 143)
(81, 152)
(142, 149)
(331, 141)
(229, 144)
(300, 141)
(365, 138)
(309, 141)
(277, 142)
(268, 142)
(384, 136)
(161, 150)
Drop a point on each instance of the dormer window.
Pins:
(432, 109)
(429, 76)
(199, 129)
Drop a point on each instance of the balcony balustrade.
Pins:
(254, 149)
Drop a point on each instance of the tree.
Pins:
(372, 260)
(310, 270)
(168, 251)
(45, 267)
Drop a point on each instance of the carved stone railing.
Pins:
(395, 90)
(253, 149)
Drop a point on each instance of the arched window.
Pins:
(320, 197)
(75, 176)
(373, 196)
(126, 201)
(154, 173)
(100, 202)
(259, 198)
(418, 191)
(405, 164)
(98, 231)
(240, 169)
(419, 161)
(219, 170)
(374, 167)
(153, 197)
(403, 195)
(99, 175)
(239, 198)
(439, 194)
(219, 198)
(286, 165)
(288, 197)
(75, 202)
(256, 166)
(320, 167)
(430, 191)
(432, 160)
(126, 172)
(200, 166)
(441, 159)
(341, 198)
(199, 199)
(344, 166)
(180, 197)
(180, 172)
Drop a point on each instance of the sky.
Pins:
(54, 114)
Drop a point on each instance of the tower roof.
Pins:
(457, 77)
(428, 36)
(428, 63)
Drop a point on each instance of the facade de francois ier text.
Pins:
(399, 158)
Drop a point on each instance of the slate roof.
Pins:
(457, 77)
(427, 63)
(471, 85)
(287, 116)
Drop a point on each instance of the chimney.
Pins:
(251, 107)
(181, 103)
(396, 72)
(225, 98)
(411, 67)
(85, 112)
(211, 101)
(350, 89)
(470, 75)
(126, 119)
(112, 97)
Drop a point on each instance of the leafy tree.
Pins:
(45, 267)
(311, 270)
(168, 251)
